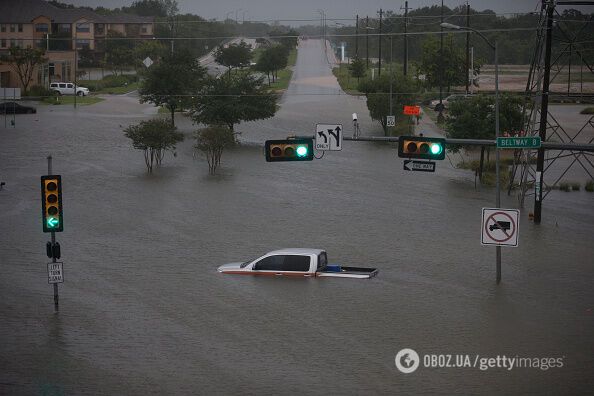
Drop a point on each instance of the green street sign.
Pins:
(531, 142)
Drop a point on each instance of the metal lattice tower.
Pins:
(530, 166)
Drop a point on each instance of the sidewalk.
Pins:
(427, 127)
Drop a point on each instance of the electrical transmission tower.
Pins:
(550, 64)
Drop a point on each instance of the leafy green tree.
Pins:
(154, 137)
(452, 60)
(357, 68)
(23, 62)
(234, 56)
(229, 101)
(474, 118)
(171, 81)
(150, 48)
(271, 60)
(378, 97)
(118, 52)
(212, 141)
(156, 8)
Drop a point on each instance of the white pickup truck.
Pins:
(296, 262)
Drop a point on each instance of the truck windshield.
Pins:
(243, 265)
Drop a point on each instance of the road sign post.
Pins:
(499, 227)
(420, 166)
(329, 137)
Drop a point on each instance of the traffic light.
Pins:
(421, 147)
(289, 150)
(51, 203)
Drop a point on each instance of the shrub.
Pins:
(587, 110)
(589, 186)
(39, 92)
(565, 187)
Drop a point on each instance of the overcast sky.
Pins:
(306, 9)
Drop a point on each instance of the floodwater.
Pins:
(143, 310)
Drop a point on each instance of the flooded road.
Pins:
(143, 310)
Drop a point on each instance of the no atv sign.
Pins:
(500, 227)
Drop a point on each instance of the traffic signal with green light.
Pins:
(51, 203)
(421, 147)
(289, 150)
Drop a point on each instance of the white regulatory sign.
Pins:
(329, 137)
(55, 273)
(500, 227)
(390, 121)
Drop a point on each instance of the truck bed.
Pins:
(348, 272)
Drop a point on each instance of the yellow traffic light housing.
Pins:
(51, 203)
(421, 147)
(289, 150)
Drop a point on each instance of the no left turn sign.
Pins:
(500, 227)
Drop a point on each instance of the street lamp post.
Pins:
(497, 178)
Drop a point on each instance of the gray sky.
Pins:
(306, 9)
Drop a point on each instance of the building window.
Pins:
(3, 43)
(64, 27)
(20, 43)
(99, 29)
(13, 43)
(83, 43)
(20, 27)
(144, 29)
(3, 28)
(12, 28)
(83, 27)
(42, 27)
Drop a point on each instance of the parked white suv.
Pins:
(68, 89)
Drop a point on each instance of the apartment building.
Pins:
(61, 32)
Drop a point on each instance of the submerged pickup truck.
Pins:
(296, 262)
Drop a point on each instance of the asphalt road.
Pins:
(143, 310)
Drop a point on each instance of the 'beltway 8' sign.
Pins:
(518, 142)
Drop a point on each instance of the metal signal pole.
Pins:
(379, 69)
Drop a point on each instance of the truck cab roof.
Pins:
(296, 251)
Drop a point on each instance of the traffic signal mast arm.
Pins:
(472, 142)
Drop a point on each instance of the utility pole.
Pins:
(441, 61)
(367, 39)
(467, 47)
(405, 38)
(379, 69)
(75, 64)
(357, 37)
(544, 111)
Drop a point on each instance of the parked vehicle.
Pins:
(447, 101)
(296, 262)
(15, 108)
(68, 89)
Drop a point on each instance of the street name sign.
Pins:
(518, 142)
(329, 137)
(55, 274)
(500, 227)
(391, 121)
(419, 166)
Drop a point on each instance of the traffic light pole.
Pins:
(53, 234)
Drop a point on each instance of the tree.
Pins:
(474, 118)
(171, 81)
(235, 55)
(357, 68)
(150, 48)
(378, 97)
(154, 137)
(271, 60)
(24, 61)
(229, 101)
(118, 52)
(212, 140)
(452, 60)
(156, 8)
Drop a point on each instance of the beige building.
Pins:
(61, 32)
